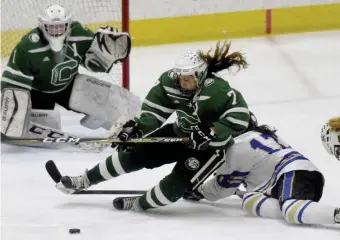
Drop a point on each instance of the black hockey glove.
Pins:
(200, 138)
(193, 195)
(129, 130)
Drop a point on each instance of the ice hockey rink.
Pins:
(292, 83)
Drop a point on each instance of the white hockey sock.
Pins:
(307, 212)
(257, 204)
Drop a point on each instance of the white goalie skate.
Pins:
(69, 185)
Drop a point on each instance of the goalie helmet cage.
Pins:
(18, 17)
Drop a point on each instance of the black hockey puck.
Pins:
(74, 230)
(118, 203)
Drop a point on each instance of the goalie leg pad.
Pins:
(44, 123)
(102, 100)
(49, 118)
(91, 122)
(15, 108)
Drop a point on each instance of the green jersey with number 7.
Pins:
(216, 105)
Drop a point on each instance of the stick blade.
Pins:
(53, 171)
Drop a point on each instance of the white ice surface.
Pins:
(292, 83)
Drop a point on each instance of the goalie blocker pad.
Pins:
(102, 101)
(15, 106)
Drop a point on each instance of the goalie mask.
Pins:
(55, 23)
(190, 64)
(331, 140)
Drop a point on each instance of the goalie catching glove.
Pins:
(107, 48)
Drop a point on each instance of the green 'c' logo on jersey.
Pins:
(63, 72)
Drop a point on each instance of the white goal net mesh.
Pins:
(19, 16)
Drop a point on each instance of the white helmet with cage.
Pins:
(55, 23)
(190, 63)
(331, 140)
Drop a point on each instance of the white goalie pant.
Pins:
(105, 104)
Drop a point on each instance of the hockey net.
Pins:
(19, 16)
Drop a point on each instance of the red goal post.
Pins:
(126, 28)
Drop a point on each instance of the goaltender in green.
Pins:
(43, 70)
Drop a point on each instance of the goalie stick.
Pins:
(77, 140)
(55, 174)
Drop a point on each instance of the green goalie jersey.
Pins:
(33, 65)
(216, 106)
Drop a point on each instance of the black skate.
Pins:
(337, 215)
(193, 195)
(126, 203)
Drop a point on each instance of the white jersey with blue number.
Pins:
(257, 160)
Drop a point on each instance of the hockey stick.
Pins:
(55, 174)
(77, 140)
(110, 192)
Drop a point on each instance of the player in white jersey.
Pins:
(279, 180)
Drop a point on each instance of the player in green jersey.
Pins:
(209, 111)
(43, 70)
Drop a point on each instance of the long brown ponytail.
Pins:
(220, 59)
